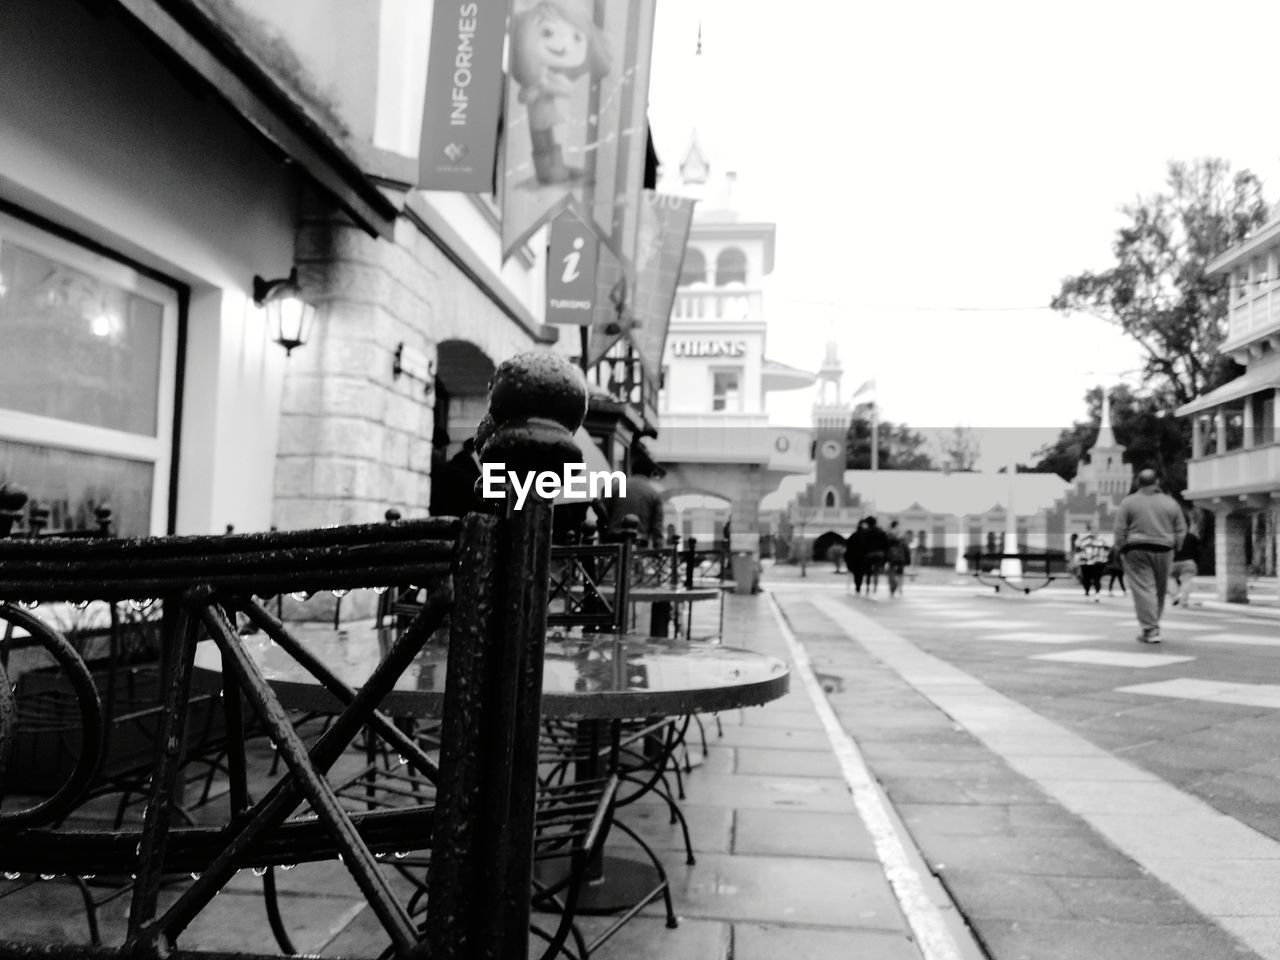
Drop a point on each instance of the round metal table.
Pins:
(601, 677)
(598, 680)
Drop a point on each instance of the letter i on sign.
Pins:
(571, 260)
(572, 253)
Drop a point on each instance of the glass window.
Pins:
(87, 383)
(726, 390)
(77, 347)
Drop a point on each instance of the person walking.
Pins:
(1150, 528)
(855, 555)
(1115, 570)
(1185, 568)
(1091, 559)
(896, 556)
(877, 551)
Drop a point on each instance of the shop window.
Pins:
(87, 390)
(731, 267)
(726, 390)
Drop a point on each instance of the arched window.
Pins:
(695, 267)
(830, 499)
(731, 267)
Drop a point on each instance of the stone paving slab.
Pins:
(801, 763)
(764, 942)
(790, 890)
(794, 834)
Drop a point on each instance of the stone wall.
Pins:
(354, 441)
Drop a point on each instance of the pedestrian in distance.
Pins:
(877, 552)
(1114, 570)
(1185, 567)
(897, 556)
(1150, 528)
(855, 555)
(1091, 559)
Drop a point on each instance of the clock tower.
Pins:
(831, 417)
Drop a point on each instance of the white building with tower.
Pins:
(715, 441)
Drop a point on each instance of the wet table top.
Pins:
(597, 678)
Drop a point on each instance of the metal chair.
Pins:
(480, 825)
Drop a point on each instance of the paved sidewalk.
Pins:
(786, 865)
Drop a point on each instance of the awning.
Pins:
(782, 376)
(1251, 381)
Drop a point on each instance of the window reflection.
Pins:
(77, 348)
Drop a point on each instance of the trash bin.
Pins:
(746, 573)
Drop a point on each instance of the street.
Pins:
(1077, 793)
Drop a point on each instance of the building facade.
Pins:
(947, 512)
(156, 158)
(1234, 471)
(720, 453)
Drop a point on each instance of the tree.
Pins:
(959, 448)
(1158, 291)
(900, 447)
(1141, 424)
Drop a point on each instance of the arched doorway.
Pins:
(463, 372)
(701, 515)
(822, 547)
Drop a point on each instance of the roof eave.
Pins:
(230, 71)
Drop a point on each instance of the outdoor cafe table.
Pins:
(601, 677)
(596, 680)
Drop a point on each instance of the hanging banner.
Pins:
(572, 253)
(661, 240)
(574, 124)
(458, 149)
(664, 235)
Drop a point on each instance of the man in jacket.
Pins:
(1149, 528)
(855, 555)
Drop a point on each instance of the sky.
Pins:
(935, 169)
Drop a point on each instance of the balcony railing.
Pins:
(1253, 317)
(624, 377)
(733, 304)
(1235, 471)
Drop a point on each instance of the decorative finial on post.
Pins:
(536, 403)
(12, 500)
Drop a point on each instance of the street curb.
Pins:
(937, 925)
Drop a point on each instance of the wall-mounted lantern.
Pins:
(288, 313)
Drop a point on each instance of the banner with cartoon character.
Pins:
(574, 127)
(661, 240)
(459, 143)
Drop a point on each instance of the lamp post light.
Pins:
(289, 315)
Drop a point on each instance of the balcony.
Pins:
(1252, 469)
(1251, 319)
(621, 374)
(733, 304)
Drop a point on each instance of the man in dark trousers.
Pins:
(1149, 529)
(855, 555)
(877, 553)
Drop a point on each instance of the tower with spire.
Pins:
(831, 417)
(1105, 473)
